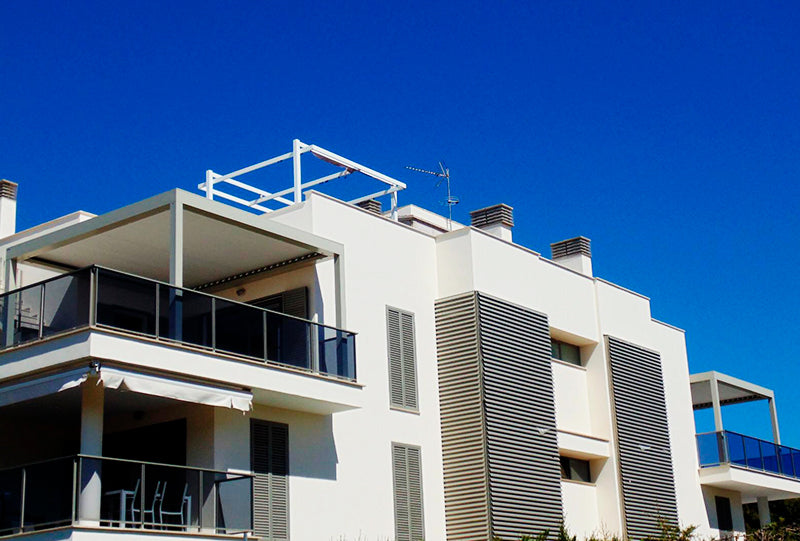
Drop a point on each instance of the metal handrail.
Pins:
(314, 337)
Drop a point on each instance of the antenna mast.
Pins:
(444, 176)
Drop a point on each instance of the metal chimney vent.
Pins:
(494, 215)
(8, 189)
(372, 205)
(578, 245)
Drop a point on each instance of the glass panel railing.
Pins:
(715, 448)
(120, 493)
(336, 351)
(240, 328)
(769, 455)
(752, 451)
(146, 307)
(66, 303)
(125, 302)
(785, 459)
(709, 450)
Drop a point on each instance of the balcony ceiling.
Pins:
(219, 241)
(731, 390)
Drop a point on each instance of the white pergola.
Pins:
(714, 390)
(212, 185)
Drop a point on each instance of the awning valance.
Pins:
(126, 380)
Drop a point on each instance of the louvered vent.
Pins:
(496, 214)
(407, 478)
(578, 245)
(8, 189)
(645, 454)
(270, 463)
(402, 359)
(372, 205)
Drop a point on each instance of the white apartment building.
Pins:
(296, 366)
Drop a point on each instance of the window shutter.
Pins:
(295, 302)
(402, 359)
(270, 463)
(408, 511)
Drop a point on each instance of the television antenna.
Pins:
(444, 176)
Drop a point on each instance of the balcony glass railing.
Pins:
(716, 448)
(101, 297)
(124, 494)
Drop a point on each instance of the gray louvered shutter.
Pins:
(270, 463)
(402, 359)
(643, 443)
(295, 302)
(407, 475)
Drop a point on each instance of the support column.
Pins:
(176, 270)
(339, 284)
(298, 179)
(91, 444)
(715, 404)
(763, 511)
(773, 413)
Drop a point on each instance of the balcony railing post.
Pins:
(213, 324)
(41, 311)
(93, 285)
(158, 310)
(74, 488)
(22, 500)
(141, 500)
(266, 341)
(724, 453)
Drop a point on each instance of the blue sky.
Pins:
(665, 132)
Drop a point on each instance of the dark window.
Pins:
(575, 469)
(724, 516)
(565, 352)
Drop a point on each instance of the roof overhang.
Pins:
(731, 390)
(218, 241)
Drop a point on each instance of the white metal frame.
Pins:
(298, 149)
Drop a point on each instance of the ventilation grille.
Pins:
(578, 245)
(494, 215)
(645, 454)
(372, 205)
(8, 189)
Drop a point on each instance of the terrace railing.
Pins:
(105, 298)
(716, 448)
(139, 495)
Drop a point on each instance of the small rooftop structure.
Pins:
(294, 194)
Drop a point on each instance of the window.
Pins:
(575, 469)
(724, 516)
(407, 485)
(402, 359)
(565, 352)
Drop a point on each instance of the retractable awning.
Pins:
(126, 380)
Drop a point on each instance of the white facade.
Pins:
(340, 479)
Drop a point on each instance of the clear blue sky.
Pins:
(666, 132)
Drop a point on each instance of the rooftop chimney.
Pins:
(8, 208)
(575, 254)
(372, 205)
(497, 220)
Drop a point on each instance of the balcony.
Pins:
(726, 447)
(134, 495)
(101, 298)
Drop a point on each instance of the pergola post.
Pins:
(773, 413)
(91, 444)
(176, 270)
(338, 270)
(715, 404)
(298, 178)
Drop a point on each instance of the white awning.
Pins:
(124, 380)
(115, 378)
(37, 388)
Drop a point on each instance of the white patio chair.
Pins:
(184, 511)
(158, 496)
